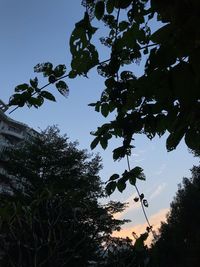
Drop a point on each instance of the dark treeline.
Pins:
(50, 211)
(51, 215)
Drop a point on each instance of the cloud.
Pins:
(158, 191)
(133, 206)
(155, 221)
(161, 169)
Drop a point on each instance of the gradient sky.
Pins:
(38, 31)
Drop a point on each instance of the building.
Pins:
(12, 132)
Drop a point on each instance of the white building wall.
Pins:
(11, 133)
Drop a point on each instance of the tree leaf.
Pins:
(46, 68)
(110, 187)
(192, 139)
(114, 177)
(136, 199)
(59, 70)
(121, 185)
(139, 243)
(21, 87)
(122, 3)
(99, 9)
(145, 203)
(105, 109)
(47, 95)
(132, 180)
(137, 172)
(110, 6)
(104, 142)
(174, 139)
(34, 82)
(161, 34)
(52, 78)
(63, 88)
(123, 25)
(94, 143)
(141, 196)
(119, 153)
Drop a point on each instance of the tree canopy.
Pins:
(178, 240)
(50, 212)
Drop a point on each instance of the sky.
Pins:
(38, 31)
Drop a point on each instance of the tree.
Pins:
(164, 99)
(178, 241)
(51, 215)
(122, 253)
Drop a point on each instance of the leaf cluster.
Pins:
(118, 182)
(33, 95)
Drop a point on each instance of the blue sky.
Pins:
(38, 31)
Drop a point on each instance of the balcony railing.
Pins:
(12, 133)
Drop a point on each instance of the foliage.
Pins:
(31, 95)
(49, 212)
(164, 99)
(121, 252)
(178, 241)
(118, 182)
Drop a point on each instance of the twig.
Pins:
(142, 205)
(40, 89)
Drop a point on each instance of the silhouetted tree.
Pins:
(179, 238)
(51, 215)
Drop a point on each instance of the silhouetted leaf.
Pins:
(94, 143)
(139, 243)
(105, 109)
(99, 9)
(141, 196)
(47, 95)
(192, 139)
(114, 177)
(59, 70)
(174, 139)
(104, 142)
(21, 87)
(110, 6)
(34, 82)
(110, 187)
(52, 78)
(121, 185)
(145, 203)
(46, 68)
(122, 3)
(136, 199)
(62, 88)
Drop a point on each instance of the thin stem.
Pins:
(116, 32)
(147, 46)
(13, 110)
(141, 48)
(142, 205)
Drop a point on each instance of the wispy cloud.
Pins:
(160, 169)
(138, 156)
(155, 221)
(158, 190)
